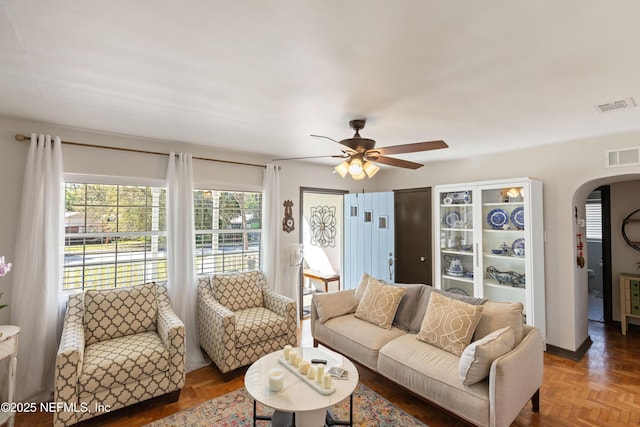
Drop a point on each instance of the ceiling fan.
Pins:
(360, 154)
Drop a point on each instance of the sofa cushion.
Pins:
(258, 324)
(362, 286)
(432, 373)
(239, 291)
(423, 302)
(116, 313)
(476, 359)
(498, 315)
(122, 360)
(379, 303)
(334, 304)
(448, 323)
(358, 339)
(406, 312)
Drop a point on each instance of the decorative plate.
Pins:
(497, 218)
(517, 218)
(451, 217)
(517, 244)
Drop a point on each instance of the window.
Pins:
(115, 236)
(594, 219)
(228, 231)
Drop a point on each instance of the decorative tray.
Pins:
(318, 387)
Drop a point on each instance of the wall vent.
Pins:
(622, 157)
(621, 104)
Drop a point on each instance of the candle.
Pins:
(293, 355)
(326, 381)
(319, 373)
(276, 379)
(312, 372)
(298, 360)
(287, 350)
(303, 367)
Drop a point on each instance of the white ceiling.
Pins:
(260, 76)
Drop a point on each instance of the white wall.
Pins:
(569, 171)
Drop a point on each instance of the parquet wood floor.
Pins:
(602, 389)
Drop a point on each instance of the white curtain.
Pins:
(181, 282)
(270, 230)
(37, 268)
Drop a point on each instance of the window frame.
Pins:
(72, 178)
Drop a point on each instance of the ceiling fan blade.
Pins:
(395, 162)
(325, 137)
(337, 156)
(412, 148)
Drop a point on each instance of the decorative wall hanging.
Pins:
(323, 226)
(580, 260)
(288, 224)
(635, 243)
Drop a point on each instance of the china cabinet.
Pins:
(490, 242)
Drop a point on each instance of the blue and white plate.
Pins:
(517, 218)
(497, 218)
(517, 247)
(451, 218)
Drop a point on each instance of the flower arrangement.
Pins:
(4, 269)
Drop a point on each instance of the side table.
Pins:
(629, 298)
(9, 348)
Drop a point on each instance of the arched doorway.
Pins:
(618, 257)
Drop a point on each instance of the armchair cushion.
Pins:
(258, 324)
(122, 360)
(239, 291)
(119, 312)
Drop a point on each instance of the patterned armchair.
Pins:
(118, 347)
(240, 319)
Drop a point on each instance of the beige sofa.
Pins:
(432, 373)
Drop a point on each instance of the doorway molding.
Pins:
(303, 191)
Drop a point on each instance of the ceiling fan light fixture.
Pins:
(370, 168)
(360, 176)
(342, 168)
(355, 167)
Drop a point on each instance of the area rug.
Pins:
(236, 409)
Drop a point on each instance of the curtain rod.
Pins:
(21, 137)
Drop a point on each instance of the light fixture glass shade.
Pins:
(514, 192)
(342, 168)
(355, 168)
(360, 176)
(370, 168)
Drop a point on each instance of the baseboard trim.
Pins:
(573, 355)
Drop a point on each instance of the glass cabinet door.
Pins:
(457, 246)
(503, 244)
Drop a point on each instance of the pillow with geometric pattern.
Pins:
(448, 323)
(379, 303)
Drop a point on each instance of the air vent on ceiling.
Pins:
(621, 104)
(622, 157)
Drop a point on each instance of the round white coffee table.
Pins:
(297, 403)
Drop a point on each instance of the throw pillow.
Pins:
(334, 304)
(497, 315)
(476, 359)
(406, 312)
(379, 303)
(362, 285)
(448, 323)
(423, 302)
